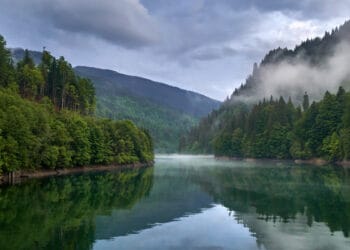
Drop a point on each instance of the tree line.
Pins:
(46, 121)
(277, 129)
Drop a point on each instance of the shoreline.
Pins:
(312, 161)
(22, 175)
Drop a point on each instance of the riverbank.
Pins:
(313, 161)
(21, 175)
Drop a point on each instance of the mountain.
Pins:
(167, 112)
(110, 83)
(315, 66)
(18, 54)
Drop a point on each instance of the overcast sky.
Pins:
(208, 46)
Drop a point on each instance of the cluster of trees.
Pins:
(165, 125)
(166, 112)
(44, 121)
(52, 78)
(278, 129)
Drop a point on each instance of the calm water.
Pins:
(182, 203)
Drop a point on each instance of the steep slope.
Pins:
(165, 125)
(109, 83)
(167, 112)
(315, 66)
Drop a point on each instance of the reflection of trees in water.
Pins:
(322, 194)
(58, 213)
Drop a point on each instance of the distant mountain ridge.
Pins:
(315, 53)
(314, 66)
(109, 82)
(167, 112)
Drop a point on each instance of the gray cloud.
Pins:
(203, 45)
(207, 54)
(292, 78)
(124, 22)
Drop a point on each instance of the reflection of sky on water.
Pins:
(217, 228)
(294, 235)
(210, 229)
(179, 212)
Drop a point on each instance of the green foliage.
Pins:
(272, 129)
(33, 137)
(42, 122)
(331, 147)
(165, 111)
(276, 129)
(165, 125)
(6, 68)
(55, 79)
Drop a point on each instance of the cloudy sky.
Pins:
(208, 46)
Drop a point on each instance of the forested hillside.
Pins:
(109, 82)
(167, 112)
(165, 125)
(315, 66)
(277, 121)
(46, 122)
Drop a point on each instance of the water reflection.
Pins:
(182, 203)
(58, 213)
(280, 193)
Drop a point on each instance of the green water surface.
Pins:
(183, 202)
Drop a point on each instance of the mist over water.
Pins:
(183, 202)
(237, 205)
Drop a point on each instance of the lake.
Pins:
(183, 202)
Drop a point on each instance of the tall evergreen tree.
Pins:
(306, 103)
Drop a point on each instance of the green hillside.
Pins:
(164, 124)
(165, 111)
(292, 123)
(46, 119)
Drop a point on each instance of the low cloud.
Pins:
(123, 22)
(293, 77)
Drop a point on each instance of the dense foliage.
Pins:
(242, 127)
(43, 122)
(165, 125)
(276, 129)
(55, 79)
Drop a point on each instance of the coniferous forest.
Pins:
(276, 128)
(46, 119)
(291, 125)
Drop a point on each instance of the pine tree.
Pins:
(306, 103)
